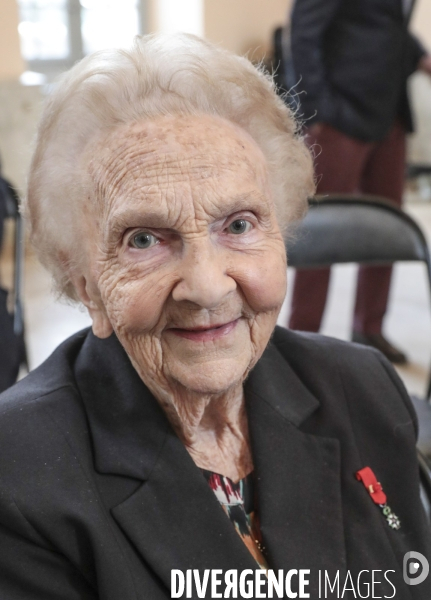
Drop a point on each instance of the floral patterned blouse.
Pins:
(237, 500)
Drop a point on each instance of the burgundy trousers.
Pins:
(347, 165)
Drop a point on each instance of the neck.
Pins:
(213, 427)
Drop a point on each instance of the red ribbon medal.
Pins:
(378, 496)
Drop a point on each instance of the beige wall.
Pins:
(421, 21)
(20, 108)
(239, 25)
(11, 63)
(244, 25)
(419, 144)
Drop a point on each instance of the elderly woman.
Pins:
(186, 431)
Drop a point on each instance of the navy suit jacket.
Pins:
(352, 59)
(99, 499)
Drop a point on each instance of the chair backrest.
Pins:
(414, 170)
(362, 229)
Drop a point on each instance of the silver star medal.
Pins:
(391, 518)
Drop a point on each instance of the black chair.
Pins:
(13, 353)
(414, 170)
(366, 230)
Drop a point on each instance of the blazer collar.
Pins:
(274, 382)
(127, 425)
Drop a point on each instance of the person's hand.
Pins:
(425, 64)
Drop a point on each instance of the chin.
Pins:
(214, 380)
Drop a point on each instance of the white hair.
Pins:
(159, 75)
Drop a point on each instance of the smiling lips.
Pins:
(205, 334)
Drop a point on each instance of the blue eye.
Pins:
(143, 240)
(239, 226)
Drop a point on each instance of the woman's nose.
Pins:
(203, 278)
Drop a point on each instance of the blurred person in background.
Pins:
(352, 61)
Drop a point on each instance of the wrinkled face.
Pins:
(187, 260)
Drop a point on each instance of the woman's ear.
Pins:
(102, 327)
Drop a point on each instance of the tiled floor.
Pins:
(408, 322)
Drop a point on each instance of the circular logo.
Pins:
(415, 568)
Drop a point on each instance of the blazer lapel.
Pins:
(176, 522)
(297, 474)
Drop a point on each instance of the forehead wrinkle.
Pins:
(137, 160)
(176, 135)
(115, 162)
(164, 167)
(166, 174)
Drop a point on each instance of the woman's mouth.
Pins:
(205, 334)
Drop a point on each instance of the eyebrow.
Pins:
(248, 201)
(130, 217)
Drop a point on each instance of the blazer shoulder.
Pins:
(367, 379)
(35, 411)
(318, 353)
(323, 349)
(55, 373)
